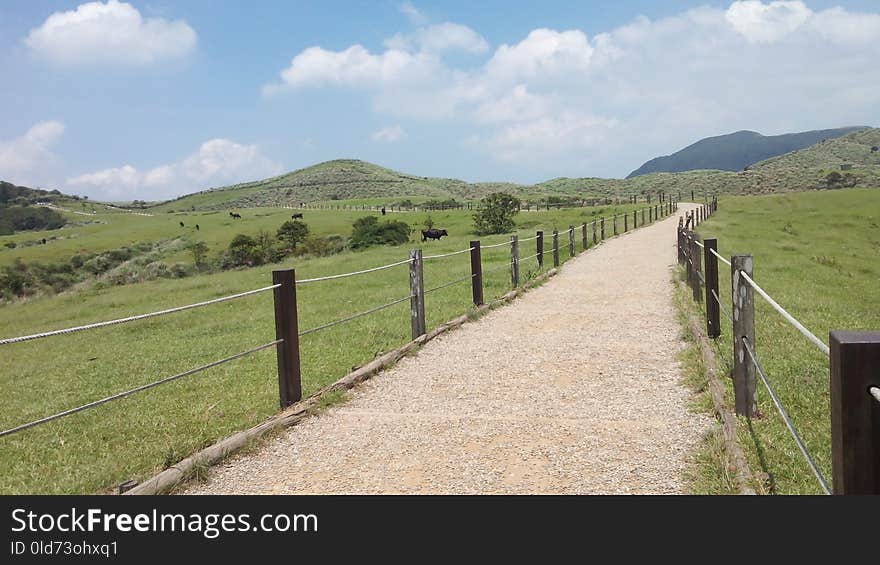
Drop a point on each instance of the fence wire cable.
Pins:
(504, 266)
(450, 283)
(496, 245)
(785, 417)
(720, 305)
(426, 257)
(791, 319)
(354, 316)
(527, 258)
(135, 390)
(134, 318)
(528, 239)
(725, 261)
(343, 275)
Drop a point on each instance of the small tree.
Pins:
(199, 250)
(429, 222)
(293, 232)
(243, 250)
(495, 213)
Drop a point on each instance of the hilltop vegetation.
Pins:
(735, 151)
(18, 214)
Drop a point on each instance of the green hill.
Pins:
(735, 151)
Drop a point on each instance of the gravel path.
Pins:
(572, 389)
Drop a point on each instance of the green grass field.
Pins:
(132, 438)
(818, 255)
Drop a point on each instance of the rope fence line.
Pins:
(720, 305)
(134, 318)
(450, 283)
(791, 319)
(495, 245)
(722, 259)
(344, 275)
(504, 266)
(427, 257)
(353, 317)
(785, 417)
(135, 390)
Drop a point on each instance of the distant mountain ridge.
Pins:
(736, 151)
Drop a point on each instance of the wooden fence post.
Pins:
(713, 313)
(603, 228)
(476, 273)
(514, 260)
(584, 239)
(571, 241)
(688, 262)
(625, 223)
(555, 248)
(287, 329)
(743, 327)
(650, 217)
(643, 216)
(595, 239)
(855, 412)
(698, 268)
(540, 249)
(615, 224)
(417, 293)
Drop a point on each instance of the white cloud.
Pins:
(437, 38)
(566, 133)
(415, 16)
(389, 134)
(22, 158)
(759, 22)
(217, 162)
(114, 32)
(543, 52)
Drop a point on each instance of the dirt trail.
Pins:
(574, 388)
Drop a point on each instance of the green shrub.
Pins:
(293, 232)
(369, 231)
(243, 251)
(495, 214)
(322, 246)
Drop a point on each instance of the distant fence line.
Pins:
(284, 286)
(854, 362)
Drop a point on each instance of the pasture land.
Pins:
(818, 255)
(131, 438)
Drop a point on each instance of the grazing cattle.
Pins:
(44, 241)
(181, 224)
(235, 216)
(295, 216)
(433, 234)
(383, 210)
(197, 227)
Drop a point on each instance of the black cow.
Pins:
(383, 210)
(433, 234)
(235, 216)
(197, 227)
(295, 216)
(181, 224)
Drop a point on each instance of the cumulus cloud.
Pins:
(389, 134)
(566, 102)
(112, 32)
(217, 162)
(414, 14)
(436, 38)
(22, 158)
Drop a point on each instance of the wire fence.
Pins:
(743, 324)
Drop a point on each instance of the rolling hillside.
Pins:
(354, 180)
(735, 151)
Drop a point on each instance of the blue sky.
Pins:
(155, 99)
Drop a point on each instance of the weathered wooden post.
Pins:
(570, 241)
(698, 267)
(689, 263)
(595, 239)
(713, 314)
(540, 250)
(855, 412)
(514, 260)
(603, 228)
(743, 327)
(643, 216)
(584, 239)
(625, 223)
(615, 224)
(476, 273)
(650, 216)
(555, 248)
(417, 293)
(287, 330)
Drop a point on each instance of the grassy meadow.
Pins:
(818, 255)
(97, 449)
